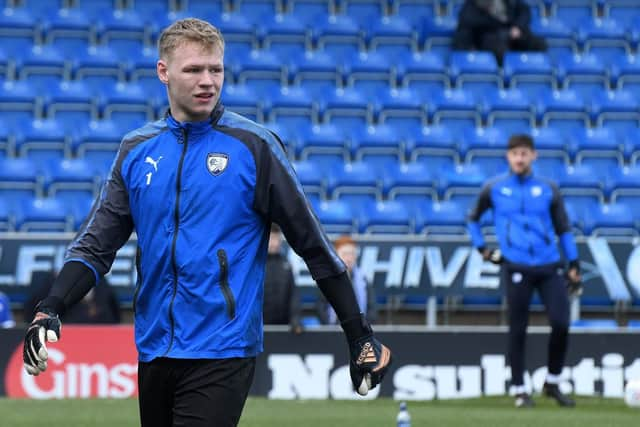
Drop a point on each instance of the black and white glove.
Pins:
(370, 359)
(45, 327)
(492, 255)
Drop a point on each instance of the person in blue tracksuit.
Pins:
(200, 188)
(529, 213)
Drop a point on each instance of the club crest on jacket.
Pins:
(217, 163)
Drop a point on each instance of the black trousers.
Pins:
(499, 42)
(520, 282)
(193, 392)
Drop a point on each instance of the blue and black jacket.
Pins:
(528, 213)
(201, 197)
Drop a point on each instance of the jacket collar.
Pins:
(194, 128)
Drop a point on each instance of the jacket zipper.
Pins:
(526, 224)
(139, 281)
(224, 284)
(176, 222)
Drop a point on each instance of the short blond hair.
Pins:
(189, 30)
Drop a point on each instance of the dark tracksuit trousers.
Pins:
(520, 282)
(180, 392)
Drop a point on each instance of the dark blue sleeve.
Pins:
(562, 226)
(473, 225)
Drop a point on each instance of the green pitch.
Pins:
(491, 412)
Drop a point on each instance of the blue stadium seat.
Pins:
(6, 140)
(5, 63)
(584, 73)
(322, 140)
(580, 181)
(408, 179)
(42, 214)
(316, 70)
(43, 66)
(345, 102)
(18, 178)
(605, 37)
(368, 72)
(447, 217)
(311, 177)
(18, 30)
(6, 217)
(625, 70)
(391, 34)
(364, 11)
(258, 64)
(454, 105)
(377, 145)
(573, 11)
(619, 109)
(435, 145)
(19, 101)
(566, 108)
(338, 34)
(422, 73)
(528, 71)
(623, 11)
(509, 109)
(125, 102)
(336, 216)
(623, 182)
(416, 11)
(385, 217)
(437, 33)
(123, 30)
(254, 10)
(353, 178)
(550, 143)
(284, 32)
(475, 71)
(70, 29)
(42, 140)
(558, 35)
(600, 146)
(70, 103)
(400, 107)
(69, 174)
(98, 65)
(79, 208)
(241, 99)
(291, 104)
(308, 11)
(481, 141)
(461, 179)
(610, 220)
(97, 142)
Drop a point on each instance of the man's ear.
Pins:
(163, 71)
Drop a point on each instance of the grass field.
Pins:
(492, 412)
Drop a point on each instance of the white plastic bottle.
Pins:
(404, 418)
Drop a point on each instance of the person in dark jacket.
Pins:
(200, 188)
(529, 213)
(497, 26)
(281, 299)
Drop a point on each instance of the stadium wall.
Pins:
(449, 363)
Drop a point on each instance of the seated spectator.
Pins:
(497, 26)
(281, 300)
(347, 250)
(6, 318)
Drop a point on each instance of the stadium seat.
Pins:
(400, 107)
(43, 66)
(241, 99)
(510, 108)
(311, 177)
(622, 11)
(605, 37)
(483, 141)
(258, 64)
(6, 217)
(70, 102)
(79, 208)
(446, 217)
(408, 179)
(7, 147)
(68, 29)
(125, 102)
(376, 140)
(291, 104)
(461, 179)
(551, 144)
(584, 73)
(345, 102)
(18, 30)
(623, 182)
(316, 70)
(391, 34)
(338, 34)
(385, 217)
(422, 73)
(6, 65)
(322, 140)
(437, 32)
(474, 71)
(368, 72)
(97, 66)
(336, 216)
(600, 146)
(42, 140)
(618, 108)
(18, 177)
(69, 174)
(435, 146)
(565, 108)
(124, 30)
(42, 214)
(97, 142)
(610, 220)
(284, 33)
(528, 71)
(579, 180)
(455, 106)
(558, 35)
(353, 178)
(416, 11)
(364, 11)
(19, 101)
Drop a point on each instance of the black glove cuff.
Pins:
(356, 328)
(50, 305)
(575, 264)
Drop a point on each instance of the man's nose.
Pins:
(206, 79)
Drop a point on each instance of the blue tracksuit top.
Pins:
(528, 213)
(201, 197)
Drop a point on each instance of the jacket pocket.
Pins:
(139, 279)
(224, 284)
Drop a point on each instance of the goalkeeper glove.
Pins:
(574, 279)
(370, 359)
(44, 327)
